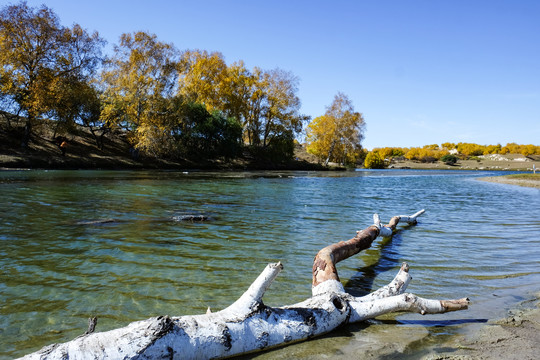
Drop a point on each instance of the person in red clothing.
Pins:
(63, 147)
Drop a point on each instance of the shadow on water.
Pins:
(432, 323)
(361, 283)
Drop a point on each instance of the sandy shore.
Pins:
(517, 336)
(514, 337)
(511, 181)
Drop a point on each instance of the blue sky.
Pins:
(421, 72)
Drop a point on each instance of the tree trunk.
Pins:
(248, 325)
(27, 135)
(330, 152)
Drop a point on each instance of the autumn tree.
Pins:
(492, 149)
(337, 135)
(137, 84)
(271, 115)
(281, 111)
(239, 93)
(448, 146)
(201, 78)
(470, 149)
(264, 102)
(78, 103)
(390, 152)
(40, 60)
(374, 160)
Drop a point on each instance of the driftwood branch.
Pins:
(249, 325)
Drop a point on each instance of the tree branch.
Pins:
(248, 325)
(324, 264)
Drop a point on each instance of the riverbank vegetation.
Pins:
(447, 153)
(164, 103)
(151, 104)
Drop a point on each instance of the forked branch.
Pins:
(249, 325)
(324, 264)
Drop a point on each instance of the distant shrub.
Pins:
(449, 159)
(374, 161)
(469, 149)
(427, 159)
(390, 152)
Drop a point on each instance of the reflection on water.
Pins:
(76, 244)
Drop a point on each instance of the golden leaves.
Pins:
(336, 135)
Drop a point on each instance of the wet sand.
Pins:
(515, 337)
(511, 181)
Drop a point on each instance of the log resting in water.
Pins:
(249, 325)
(177, 218)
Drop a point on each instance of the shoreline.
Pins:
(12, 163)
(512, 337)
(504, 179)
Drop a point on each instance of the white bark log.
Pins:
(248, 325)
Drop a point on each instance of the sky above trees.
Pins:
(420, 72)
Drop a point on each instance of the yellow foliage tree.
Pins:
(390, 152)
(374, 160)
(137, 83)
(40, 60)
(337, 135)
(265, 102)
(202, 78)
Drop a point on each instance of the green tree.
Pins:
(449, 159)
(337, 135)
(40, 59)
(208, 135)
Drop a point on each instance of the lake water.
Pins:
(76, 244)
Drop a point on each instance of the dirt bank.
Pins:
(82, 152)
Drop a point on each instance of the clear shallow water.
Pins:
(57, 268)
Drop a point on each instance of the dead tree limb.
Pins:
(324, 265)
(249, 325)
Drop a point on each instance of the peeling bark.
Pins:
(249, 325)
(324, 265)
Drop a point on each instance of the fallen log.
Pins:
(249, 325)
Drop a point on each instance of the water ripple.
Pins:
(57, 269)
